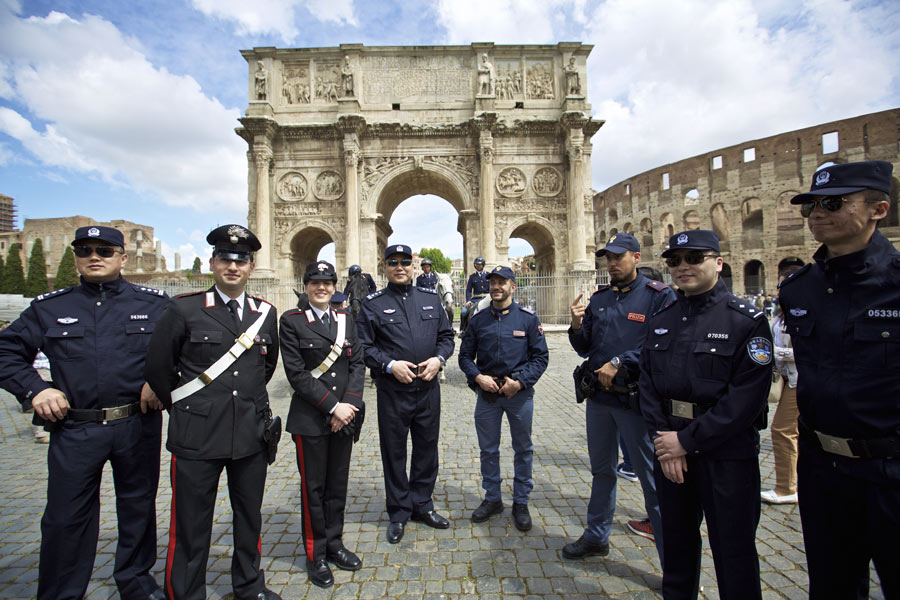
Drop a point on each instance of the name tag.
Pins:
(637, 317)
(517, 333)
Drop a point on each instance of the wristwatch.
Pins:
(616, 362)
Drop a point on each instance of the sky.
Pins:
(127, 110)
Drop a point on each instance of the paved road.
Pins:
(489, 561)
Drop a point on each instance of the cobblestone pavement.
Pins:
(491, 560)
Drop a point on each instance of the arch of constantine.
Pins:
(743, 193)
(339, 137)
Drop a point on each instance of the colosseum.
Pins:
(743, 193)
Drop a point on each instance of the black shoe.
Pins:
(432, 519)
(319, 573)
(268, 594)
(486, 510)
(344, 559)
(581, 548)
(395, 532)
(157, 594)
(521, 517)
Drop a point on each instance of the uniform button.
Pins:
(205, 338)
(684, 318)
(334, 387)
(830, 291)
(712, 349)
(656, 345)
(99, 303)
(602, 309)
(234, 393)
(885, 334)
(142, 329)
(334, 374)
(65, 333)
(235, 373)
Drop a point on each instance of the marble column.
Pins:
(486, 191)
(351, 187)
(577, 238)
(263, 156)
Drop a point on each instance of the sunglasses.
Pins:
(102, 251)
(829, 203)
(691, 259)
(393, 262)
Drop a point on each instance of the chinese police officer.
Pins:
(706, 368)
(842, 312)
(503, 353)
(406, 338)
(95, 335)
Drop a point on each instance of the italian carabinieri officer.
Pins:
(323, 361)
(211, 355)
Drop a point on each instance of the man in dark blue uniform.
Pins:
(209, 360)
(842, 312)
(477, 288)
(95, 335)
(503, 354)
(406, 338)
(706, 369)
(611, 330)
(428, 278)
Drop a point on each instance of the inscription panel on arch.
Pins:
(388, 78)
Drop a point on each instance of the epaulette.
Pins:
(665, 306)
(263, 300)
(146, 290)
(601, 288)
(425, 289)
(745, 308)
(526, 309)
(804, 269)
(375, 294)
(65, 290)
(186, 294)
(659, 286)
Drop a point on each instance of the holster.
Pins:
(625, 386)
(271, 434)
(49, 426)
(585, 382)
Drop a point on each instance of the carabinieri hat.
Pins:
(321, 270)
(847, 178)
(692, 239)
(233, 242)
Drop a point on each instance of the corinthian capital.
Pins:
(263, 156)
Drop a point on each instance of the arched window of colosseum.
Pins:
(647, 234)
(691, 220)
(628, 228)
(627, 189)
(893, 217)
(717, 162)
(613, 215)
(613, 232)
(752, 223)
(754, 277)
(720, 225)
(667, 224)
(791, 231)
(665, 181)
(692, 197)
(725, 274)
(749, 154)
(830, 142)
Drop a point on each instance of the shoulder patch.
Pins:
(185, 295)
(760, 350)
(426, 290)
(526, 309)
(147, 290)
(745, 308)
(65, 290)
(659, 286)
(804, 269)
(375, 294)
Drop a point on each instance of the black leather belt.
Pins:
(103, 415)
(886, 447)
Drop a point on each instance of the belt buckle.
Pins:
(684, 410)
(245, 340)
(835, 445)
(116, 412)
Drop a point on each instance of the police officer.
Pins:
(611, 330)
(503, 354)
(842, 312)
(323, 361)
(210, 357)
(477, 288)
(95, 335)
(406, 338)
(428, 279)
(359, 285)
(356, 271)
(706, 368)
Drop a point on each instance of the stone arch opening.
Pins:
(720, 225)
(667, 225)
(691, 219)
(613, 215)
(752, 223)
(754, 277)
(726, 275)
(692, 197)
(541, 239)
(305, 246)
(789, 220)
(893, 217)
(647, 235)
(628, 228)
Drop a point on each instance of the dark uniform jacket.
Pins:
(615, 324)
(843, 315)
(715, 350)
(305, 342)
(477, 285)
(95, 335)
(427, 280)
(402, 322)
(509, 342)
(225, 419)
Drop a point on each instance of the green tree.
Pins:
(196, 268)
(66, 273)
(36, 284)
(440, 263)
(13, 281)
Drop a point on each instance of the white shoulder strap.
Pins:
(335, 350)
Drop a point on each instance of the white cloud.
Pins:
(93, 103)
(503, 21)
(276, 16)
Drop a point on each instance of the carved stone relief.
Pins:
(531, 205)
(547, 182)
(511, 182)
(328, 81)
(396, 77)
(540, 80)
(509, 79)
(292, 186)
(295, 83)
(329, 185)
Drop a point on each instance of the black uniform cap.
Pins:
(110, 235)
(693, 239)
(847, 178)
(234, 242)
(320, 270)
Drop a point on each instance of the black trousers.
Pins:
(194, 486)
(324, 465)
(849, 521)
(726, 492)
(71, 523)
(401, 414)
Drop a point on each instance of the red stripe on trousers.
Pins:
(298, 441)
(170, 555)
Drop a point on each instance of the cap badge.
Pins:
(236, 232)
(399, 248)
(322, 267)
(93, 232)
(611, 240)
(823, 177)
(682, 239)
